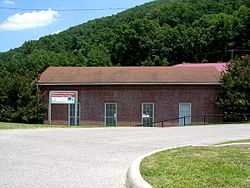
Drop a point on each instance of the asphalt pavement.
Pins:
(92, 157)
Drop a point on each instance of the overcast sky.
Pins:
(17, 26)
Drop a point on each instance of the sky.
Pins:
(18, 26)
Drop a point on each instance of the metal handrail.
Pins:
(204, 117)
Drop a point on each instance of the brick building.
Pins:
(127, 96)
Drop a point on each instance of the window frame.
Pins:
(105, 110)
(142, 104)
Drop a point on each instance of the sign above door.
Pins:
(63, 97)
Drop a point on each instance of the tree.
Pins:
(242, 39)
(19, 100)
(98, 56)
(134, 43)
(235, 96)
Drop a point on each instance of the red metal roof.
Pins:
(219, 66)
(180, 74)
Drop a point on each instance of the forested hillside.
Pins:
(163, 32)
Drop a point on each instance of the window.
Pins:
(147, 114)
(110, 114)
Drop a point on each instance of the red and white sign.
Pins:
(63, 97)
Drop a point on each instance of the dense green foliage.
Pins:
(163, 32)
(235, 97)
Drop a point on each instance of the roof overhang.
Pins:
(124, 83)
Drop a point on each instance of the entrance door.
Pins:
(147, 114)
(110, 114)
(185, 114)
(71, 115)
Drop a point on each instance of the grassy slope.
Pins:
(198, 167)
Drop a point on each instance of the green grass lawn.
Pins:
(199, 167)
(34, 126)
(20, 126)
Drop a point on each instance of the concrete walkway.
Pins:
(92, 158)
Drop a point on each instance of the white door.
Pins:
(185, 114)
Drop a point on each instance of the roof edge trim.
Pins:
(125, 83)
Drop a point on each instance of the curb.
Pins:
(232, 144)
(134, 178)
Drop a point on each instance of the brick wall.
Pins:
(130, 98)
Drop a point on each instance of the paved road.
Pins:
(91, 158)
